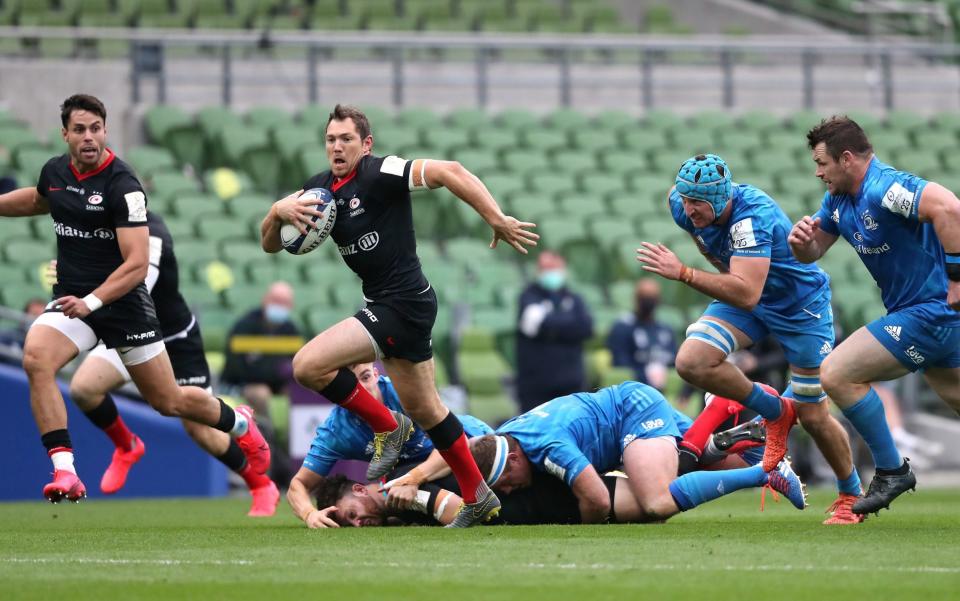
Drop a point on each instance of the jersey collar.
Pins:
(343, 181)
(82, 176)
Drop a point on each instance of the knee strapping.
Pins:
(714, 334)
(805, 387)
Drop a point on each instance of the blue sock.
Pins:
(763, 402)
(870, 420)
(696, 488)
(851, 484)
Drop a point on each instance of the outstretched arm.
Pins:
(466, 186)
(740, 287)
(23, 202)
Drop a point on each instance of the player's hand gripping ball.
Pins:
(320, 226)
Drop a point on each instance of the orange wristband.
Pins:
(686, 274)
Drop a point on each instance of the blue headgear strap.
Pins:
(706, 177)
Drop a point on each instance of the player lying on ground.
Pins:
(760, 289)
(343, 435)
(102, 371)
(577, 437)
(99, 213)
(375, 236)
(546, 501)
(907, 233)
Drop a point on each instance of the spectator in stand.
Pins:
(253, 363)
(15, 336)
(553, 324)
(638, 341)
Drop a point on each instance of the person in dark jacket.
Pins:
(553, 324)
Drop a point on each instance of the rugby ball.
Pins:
(298, 244)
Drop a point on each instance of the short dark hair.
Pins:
(82, 102)
(839, 134)
(346, 111)
(332, 490)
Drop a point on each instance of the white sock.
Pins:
(63, 460)
(240, 425)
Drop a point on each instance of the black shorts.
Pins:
(187, 357)
(401, 325)
(131, 320)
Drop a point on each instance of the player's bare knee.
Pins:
(82, 392)
(691, 367)
(171, 405)
(813, 419)
(36, 364)
(307, 372)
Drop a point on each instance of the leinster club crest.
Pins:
(868, 221)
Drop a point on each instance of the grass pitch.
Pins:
(205, 549)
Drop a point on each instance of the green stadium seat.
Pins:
(179, 229)
(269, 117)
(191, 206)
(469, 119)
(191, 252)
(147, 160)
(477, 161)
(167, 185)
(448, 140)
(31, 160)
(247, 206)
(171, 127)
(602, 185)
(539, 139)
(494, 138)
(553, 184)
(759, 120)
(949, 120)
(483, 372)
(215, 323)
(524, 161)
(574, 161)
(492, 409)
(389, 139)
(519, 119)
(905, 121)
(504, 185)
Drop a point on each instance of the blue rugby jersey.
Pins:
(758, 227)
(904, 256)
(565, 435)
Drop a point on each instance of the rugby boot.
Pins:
(748, 432)
(777, 432)
(265, 500)
(116, 474)
(785, 481)
(841, 512)
(387, 447)
(253, 444)
(884, 489)
(65, 485)
(484, 509)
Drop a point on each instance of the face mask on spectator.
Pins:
(646, 307)
(276, 314)
(553, 279)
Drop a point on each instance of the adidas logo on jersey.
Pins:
(894, 332)
(836, 216)
(826, 348)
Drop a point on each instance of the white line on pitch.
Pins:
(533, 565)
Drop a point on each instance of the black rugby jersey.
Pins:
(374, 226)
(172, 310)
(87, 208)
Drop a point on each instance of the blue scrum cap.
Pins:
(706, 177)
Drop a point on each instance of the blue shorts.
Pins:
(915, 342)
(806, 335)
(645, 415)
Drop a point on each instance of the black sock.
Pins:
(56, 439)
(234, 458)
(341, 387)
(444, 434)
(687, 463)
(105, 414)
(900, 471)
(227, 418)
